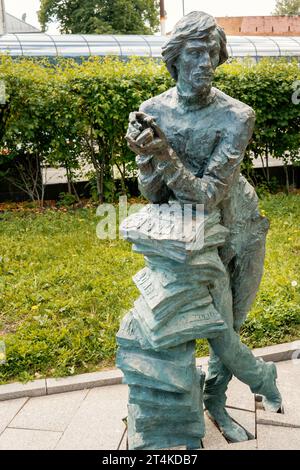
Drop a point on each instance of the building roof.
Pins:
(15, 25)
(77, 46)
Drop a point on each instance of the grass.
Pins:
(275, 317)
(63, 291)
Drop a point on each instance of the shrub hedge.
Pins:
(67, 113)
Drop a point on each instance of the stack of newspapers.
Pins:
(180, 245)
(173, 231)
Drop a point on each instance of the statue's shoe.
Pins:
(231, 430)
(272, 400)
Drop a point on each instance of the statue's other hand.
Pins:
(144, 136)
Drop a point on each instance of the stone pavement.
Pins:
(92, 419)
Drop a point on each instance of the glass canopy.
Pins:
(75, 45)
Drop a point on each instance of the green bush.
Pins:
(66, 200)
(268, 88)
(67, 113)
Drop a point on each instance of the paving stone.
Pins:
(245, 419)
(289, 386)
(99, 420)
(84, 381)
(247, 445)
(289, 420)
(278, 352)
(203, 362)
(277, 438)
(24, 439)
(289, 373)
(36, 388)
(239, 395)
(213, 439)
(8, 411)
(123, 445)
(49, 413)
(259, 406)
(92, 419)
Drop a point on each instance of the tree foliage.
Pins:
(287, 7)
(101, 16)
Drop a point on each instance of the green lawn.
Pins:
(63, 291)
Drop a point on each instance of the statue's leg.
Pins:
(215, 398)
(248, 267)
(239, 360)
(229, 357)
(219, 376)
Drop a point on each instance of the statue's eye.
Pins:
(194, 53)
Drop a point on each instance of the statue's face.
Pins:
(197, 63)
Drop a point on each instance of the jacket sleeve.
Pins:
(218, 176)
(151, 181)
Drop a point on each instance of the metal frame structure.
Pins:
(84, 46)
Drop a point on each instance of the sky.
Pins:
(174, 9)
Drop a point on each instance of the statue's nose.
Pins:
(205, 61)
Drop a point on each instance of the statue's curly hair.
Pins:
(195, 25)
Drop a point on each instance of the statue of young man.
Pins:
(195, 157)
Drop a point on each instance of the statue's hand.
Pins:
(144, 137)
